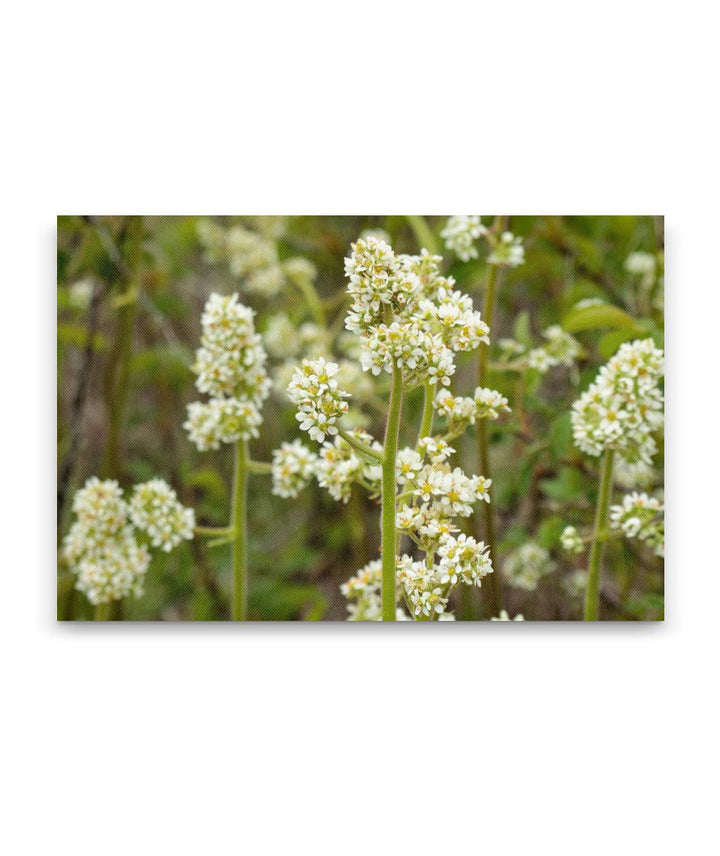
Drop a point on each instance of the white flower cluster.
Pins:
(293, 465)
(460, 233)
(364, 593)
(526, 566)
(317, 397)
(338, 467)
(427, 585)
(641, 516)
(230, 367)
(505, 617)
(155, 509)
(252, 255)
(378, 279)
(407, 314)
(101, 546)
(435, 493)
(637, 474)
(642, 265)
(571, 541)
(624, 406)
(507, 251)
(460, 412)
(561, 349)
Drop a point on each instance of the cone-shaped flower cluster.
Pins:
(623, 408)
(230, 367)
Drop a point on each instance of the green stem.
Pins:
(259, 468)
(214, 530)
(359, 446)
(312, 298)
(102, 612)
(392, 431)
(239, 525)
(427, 416)
(117, 373)
(597, 550)
(423, 233)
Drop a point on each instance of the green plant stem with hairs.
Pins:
(597, 550)
(239, 527)
(388, 495)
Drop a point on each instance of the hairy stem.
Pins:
(239, 526)
(597, 550)
(392, 431)
(360, 446)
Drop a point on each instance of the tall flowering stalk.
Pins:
(616, 418)
(460, 234)
(230, 367)
(410, 320)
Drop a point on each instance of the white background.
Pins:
(337, 739)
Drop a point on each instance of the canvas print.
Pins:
(360, 418)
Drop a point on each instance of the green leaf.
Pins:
(596, 317)
(565, 486)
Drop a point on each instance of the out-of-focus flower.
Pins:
(526, 566)
(460, 233)
(641, 516)
(571, 541)
(155, 509)
(505, 617)
(508, 251)
(293, 465)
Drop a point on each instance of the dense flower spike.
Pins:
(624, 406)
(154, 509)
(101, 546)
(231, 359)
(320, 402)
(293, 465)
(526, 566)
(641, 516)
(460, 234)
(230, 366)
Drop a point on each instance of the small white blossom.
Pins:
(571, 541)
(624, 405)
(155, 509)
(508, 251)
(317, 397)
(526, 566)
(460, 233)
(641, 516)
(293, 465)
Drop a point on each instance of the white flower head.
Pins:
(318, 399)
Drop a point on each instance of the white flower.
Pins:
(221, 420)
(315, 393)
(526, 566)
(624, 405)
(155, 509)
(641, 516)
(364, 593)
(571, 541)
(505, 617)
(460, 233)
(489, 403)
(562, 348)
(293, 465)
(508, 251)
(338, 467)
(266, 282)
(231, 359)
(463, 558)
